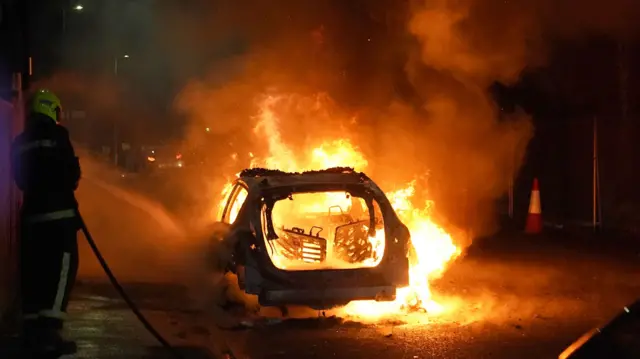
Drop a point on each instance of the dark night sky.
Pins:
(88, 40)
(107, 29)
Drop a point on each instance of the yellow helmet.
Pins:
(46, 103)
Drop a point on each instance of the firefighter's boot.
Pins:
(45, 343)
(54, 343)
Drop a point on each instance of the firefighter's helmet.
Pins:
(46, 103)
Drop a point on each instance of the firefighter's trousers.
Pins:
(48, 267)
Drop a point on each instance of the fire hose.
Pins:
(114, 281)
(226, 354)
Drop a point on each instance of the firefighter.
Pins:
(47, 171)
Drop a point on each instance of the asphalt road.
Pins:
(527, 299)
(504, 308)
(510, 296)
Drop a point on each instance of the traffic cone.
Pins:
(534, 219)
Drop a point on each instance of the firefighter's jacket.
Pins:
(46, 169)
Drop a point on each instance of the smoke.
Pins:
(463, 48)
(101, 92)
(494, 40)
(472, 148)
(137, 236)
(451, 52)
(451, 133)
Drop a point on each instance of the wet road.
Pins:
(530, 301)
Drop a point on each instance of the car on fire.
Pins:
(319, 238)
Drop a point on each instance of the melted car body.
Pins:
(320, 238)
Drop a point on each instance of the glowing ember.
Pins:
(432, 247)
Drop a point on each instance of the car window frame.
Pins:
(229, 203)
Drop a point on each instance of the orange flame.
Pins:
(432, 247)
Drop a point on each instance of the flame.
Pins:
(432, 247)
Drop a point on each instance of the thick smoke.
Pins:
(451, 52)
(464, 47)
(494, 40)
(473, 150)
(451, 133)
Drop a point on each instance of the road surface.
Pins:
(518, 297)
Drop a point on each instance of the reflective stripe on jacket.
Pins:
(51, 216)
(22, 148)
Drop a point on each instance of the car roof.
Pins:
(277, 178)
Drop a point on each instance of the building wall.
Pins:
(9, 202)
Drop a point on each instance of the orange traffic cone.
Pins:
(534, 219)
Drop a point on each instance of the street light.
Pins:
(77, 8)
(115, 125)
(115, 63)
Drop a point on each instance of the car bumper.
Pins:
(328, 296)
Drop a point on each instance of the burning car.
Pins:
(318, 238)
